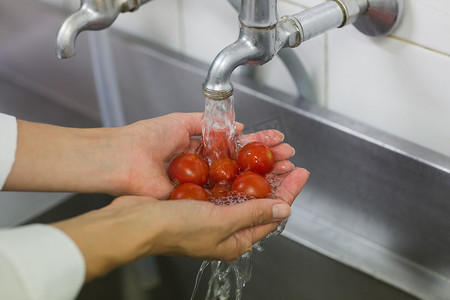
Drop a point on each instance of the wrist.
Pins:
(107, 238)
(59, 159)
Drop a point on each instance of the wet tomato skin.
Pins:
(189, 191)
(252, 184)
(256, 157)
(223, 170)
(188, 168)
(220, 191)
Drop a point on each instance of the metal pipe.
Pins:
(92, 15)
(258, 14)
(319, 19)
(218, 84)
(265, 38)
(302, 81)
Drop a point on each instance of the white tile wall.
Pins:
(312, 55)
(392, 85)
(209, 26)
(400, 84)
(157, 21)
(426, 23)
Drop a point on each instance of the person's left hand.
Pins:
(132, 227)
(148, 146)
(129, 160)
(144, 150)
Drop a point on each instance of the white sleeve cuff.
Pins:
(39, 262)
(8, 138)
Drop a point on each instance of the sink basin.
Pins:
(374, 203)
(284, 270)
(372, 223)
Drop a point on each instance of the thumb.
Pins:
(191, 121)
(258, 212)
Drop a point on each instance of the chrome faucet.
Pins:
(92, 15)
(262, 34)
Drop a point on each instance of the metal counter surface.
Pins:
(374, 202)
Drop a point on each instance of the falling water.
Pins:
(218, 131)
(221, 284)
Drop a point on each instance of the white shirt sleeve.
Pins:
(8, 142)
(39, 262)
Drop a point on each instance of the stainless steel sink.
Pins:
(374, 202)
(372, 223)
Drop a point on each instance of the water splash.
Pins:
(220, 284)
(219, 133)
(199, 278)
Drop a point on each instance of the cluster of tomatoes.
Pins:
(210, 176)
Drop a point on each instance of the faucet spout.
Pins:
(92, 15)
(262, 34)
(81, 20)
(217, 85)
(261, 37)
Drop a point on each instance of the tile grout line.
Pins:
(419, 45)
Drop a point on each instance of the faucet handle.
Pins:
(92, 15)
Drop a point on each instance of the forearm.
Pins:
(52, 158)
(134, 227)
(116, 234)
(105, 240)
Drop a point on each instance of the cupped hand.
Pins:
(208, 231)
(132, 227)
(146, 148)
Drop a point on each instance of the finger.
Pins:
(269, 137)
(195, 144)
(239, 127)
(282, 167)
(191, 121)
(261, 231)
(243, 240)
(257, 212)
(283, 151)
(125, 201)
(292, 184)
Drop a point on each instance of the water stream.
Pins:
(219, 138)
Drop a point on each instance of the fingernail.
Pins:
(276, 136)
(281, 211)
(293, 151)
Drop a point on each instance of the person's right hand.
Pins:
(129, 160)
(132, 227)
(146, 148)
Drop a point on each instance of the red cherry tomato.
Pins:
(256, 157)
(223, 170)
(252, 184)
(220, 190)
(189, 191)
(188, 167)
